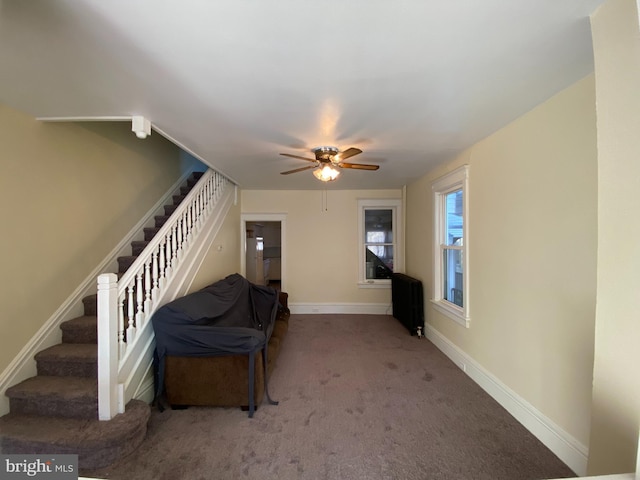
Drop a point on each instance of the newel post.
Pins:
(107, 346)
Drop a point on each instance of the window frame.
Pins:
(395, 205)
(458, 179)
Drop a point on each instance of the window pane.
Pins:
(453, 218)
(376, 237)
(379, 262)
(452, 281)
(378, 226)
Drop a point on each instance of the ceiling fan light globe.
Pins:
(326, 173)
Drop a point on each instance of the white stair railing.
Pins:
(125, 306)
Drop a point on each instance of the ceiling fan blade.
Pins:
(298, 157)
(349, 152)
(298, 170)
(359, 166)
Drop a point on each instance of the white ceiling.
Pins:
(237, 82)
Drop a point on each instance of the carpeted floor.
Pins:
(359, 399)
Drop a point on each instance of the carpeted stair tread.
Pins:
(68, 397)
(177, 199)
(69, 359)
(64, 388)
(97, 443)
(80, 330)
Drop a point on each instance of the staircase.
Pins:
(56, 412)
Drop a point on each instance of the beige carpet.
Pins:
(359, 399)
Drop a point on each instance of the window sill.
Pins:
(454, 312)
(374, 284)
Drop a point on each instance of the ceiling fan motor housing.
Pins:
(326, 154)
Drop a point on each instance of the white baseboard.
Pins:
(341, 308)
(561, 443)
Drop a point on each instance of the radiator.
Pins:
(407, 300)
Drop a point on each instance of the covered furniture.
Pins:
(217, 346)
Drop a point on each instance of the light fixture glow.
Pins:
(327, 173)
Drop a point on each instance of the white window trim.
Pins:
(459, 178)
(398, 243)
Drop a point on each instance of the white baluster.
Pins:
(162, 263)
(194, 206)
(139, 310)
(122, 345)
(130, 311)
(187, 228)
(212, 199)
(148, 287)
(190, 221)
(215, 184)
(167, 257)
(183, 232)
(174, 246)
(187, 225)
(180, 236)
(155, 275)
(200, 210)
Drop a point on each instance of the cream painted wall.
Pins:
(68, 194)
(321, 243)
(223, 257)
(616, 387)
(532, 253)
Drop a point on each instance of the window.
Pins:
(380, 242)
(451, 258)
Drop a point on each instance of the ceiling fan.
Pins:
(326, 161)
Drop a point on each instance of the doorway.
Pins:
(263, 250)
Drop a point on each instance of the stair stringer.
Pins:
(23, 366)
(135, 373)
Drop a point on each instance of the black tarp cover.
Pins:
(231, 316)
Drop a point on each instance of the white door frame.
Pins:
(264, 217)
